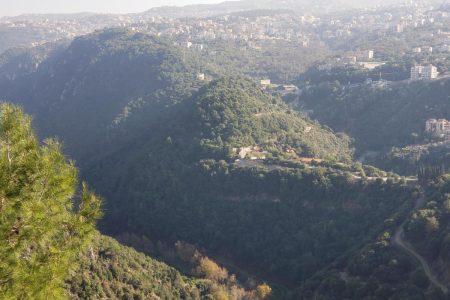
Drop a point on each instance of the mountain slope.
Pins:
(408, 259)
(234, 112)
(102, 76)
(379, 118)
(180, 182)
(112, 271)
(165, 151)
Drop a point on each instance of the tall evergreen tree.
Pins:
(45, 219)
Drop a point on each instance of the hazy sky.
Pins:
(17, 7)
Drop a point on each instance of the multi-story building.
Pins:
(440, 127)
(369, 54)
(424, 72)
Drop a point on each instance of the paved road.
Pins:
(399, 240)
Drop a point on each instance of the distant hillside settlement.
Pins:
(257, 153)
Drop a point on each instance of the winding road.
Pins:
(399, 235)
(399, 240)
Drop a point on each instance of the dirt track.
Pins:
(399, 240)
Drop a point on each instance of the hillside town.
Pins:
(254, 30)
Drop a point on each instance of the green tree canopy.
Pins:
(41, 227)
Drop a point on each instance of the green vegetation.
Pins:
(47, 226)
(112, 271)
(234, 112)
(380, 270)
(164, 150)
(41, 228)
(381, 119)
(281, 61)
(353, 74)
(83, 92)
(428, 228)
(167, 163)
(281, 224)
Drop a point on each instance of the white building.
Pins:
(365, 55)
(439, 127)
(398, 28)
(201, 76)
(265, 82)
(424, 72)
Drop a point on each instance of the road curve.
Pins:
(399, 240)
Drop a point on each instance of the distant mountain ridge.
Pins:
(226, 7)
(299, 6)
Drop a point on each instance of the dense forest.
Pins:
(380, 270)
(218, 177)
(186, 174)
(95, 83)
(50, 249)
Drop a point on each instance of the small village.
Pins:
(258, 153)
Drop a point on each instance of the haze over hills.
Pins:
(298, 6)
(170, 149)
(225, 7)
(230, 146)
(35, 29)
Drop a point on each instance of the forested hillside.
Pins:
(217, 165)
(196, 171)
(81, 91)
(234, 112)
(383, 270)
(109, 270)
(49, 246)
(386, 120)
(379, 117)
(181, 183)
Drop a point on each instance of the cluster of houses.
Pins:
(257, 153)
(282, 89)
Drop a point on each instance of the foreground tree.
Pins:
(41, 229)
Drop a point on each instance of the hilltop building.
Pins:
(201, 76)
(424, 72)
(365, 55)
(440, 127)
(265, 82)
